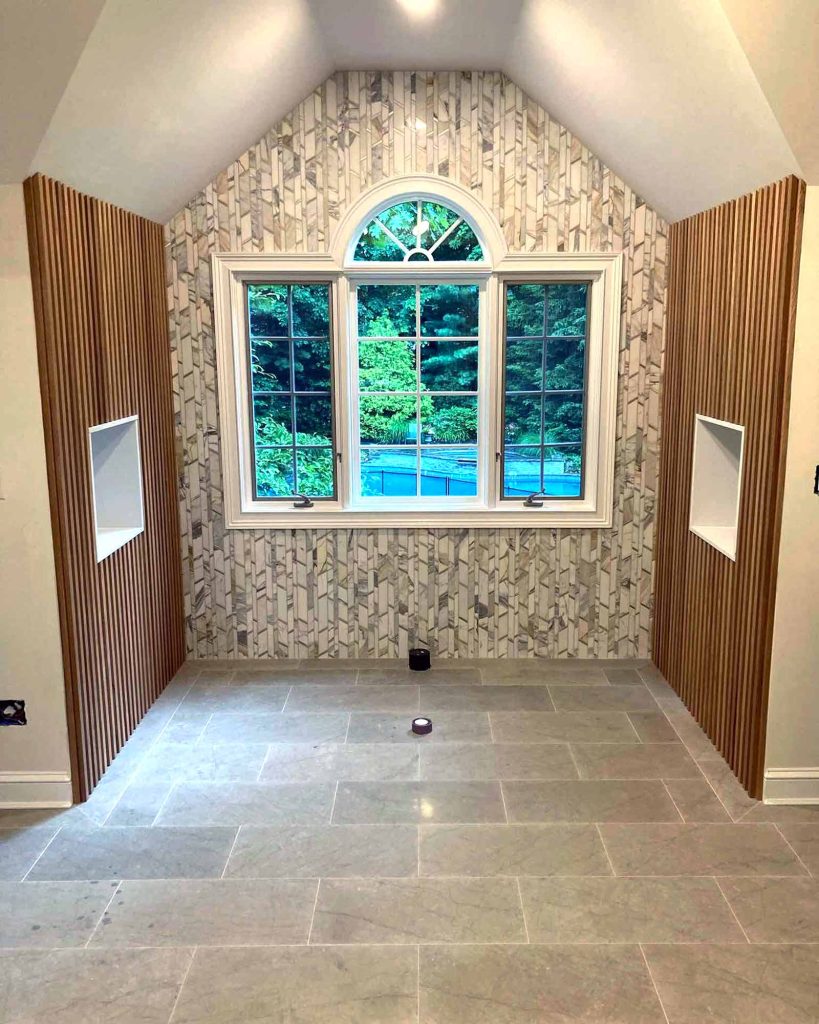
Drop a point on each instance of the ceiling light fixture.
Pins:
(419, 8)
(419, 124)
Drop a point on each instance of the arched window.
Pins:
(418, 374)
(418, 230)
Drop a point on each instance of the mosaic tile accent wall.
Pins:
(467, 593)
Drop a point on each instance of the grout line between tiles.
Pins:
(349, 723)
(184, 979)
(230, 851)
(40, 854)
(574, 762)
(286, 699)
(503, 800)
(788, 844)
(728, 904)
(673, 801)
(161, 807)
(605, 850)
(653, 982)
(313, 915)
(117, 888)
(522, 911)
(333, 804)
(418, 983)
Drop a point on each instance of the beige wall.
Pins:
(793, 710)
(30, 658)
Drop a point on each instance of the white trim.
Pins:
(791, 786)
(604, 271)
(20, 790)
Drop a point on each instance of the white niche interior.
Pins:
(116, 475)
(716, 480)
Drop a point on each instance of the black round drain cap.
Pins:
(421, 726)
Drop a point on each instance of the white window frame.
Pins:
(231, 273)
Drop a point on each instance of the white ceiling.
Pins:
(142, 102)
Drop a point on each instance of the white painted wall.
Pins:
(30, 655)
(793, 708)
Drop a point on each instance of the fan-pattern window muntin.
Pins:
(416, 392)
(544, 389)
(290, 345)
(418, 230)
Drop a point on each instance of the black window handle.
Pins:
(533, 500)
(303, 502)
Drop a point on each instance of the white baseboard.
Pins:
(791, 786)
(20, 790)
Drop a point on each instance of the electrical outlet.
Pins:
(13, 712)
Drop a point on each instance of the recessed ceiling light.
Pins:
(419, 8)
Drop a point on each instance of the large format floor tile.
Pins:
(209, 912)
(486, 698)
(324, 851)
(531, 672)
(308, 985)
(417, 802)
(512, 850)
(247, 803)
(536, 985)
(85, 986)
(602, 698)
(135, 853)
(418, 910)
(497, 761)
(447, 727)
(775, 909)
(393, 674)
(562, 727)
(51, 914)
(202, 762)
(627, 910)
(234, 698)
(394, 698)
(634, 761)
(329, 762)
(699, 849)
(589, 800)
(737, 984)
(319, 727)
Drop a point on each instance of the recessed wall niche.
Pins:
(116, 475)
(716, 479)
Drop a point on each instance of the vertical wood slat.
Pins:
(729, 346)
(99, 294)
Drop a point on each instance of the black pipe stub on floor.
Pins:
(419, 659)
(421, 726)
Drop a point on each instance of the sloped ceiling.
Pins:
(141, 102)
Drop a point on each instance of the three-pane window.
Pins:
(418, 374)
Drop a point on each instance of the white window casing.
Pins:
(232, 271)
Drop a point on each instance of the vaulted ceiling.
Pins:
(141, 102)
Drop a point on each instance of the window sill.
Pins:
(308, 519)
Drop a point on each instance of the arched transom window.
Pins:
(418, 230)
(419, 375)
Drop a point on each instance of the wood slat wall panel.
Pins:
(99, 292)
(729, 345)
